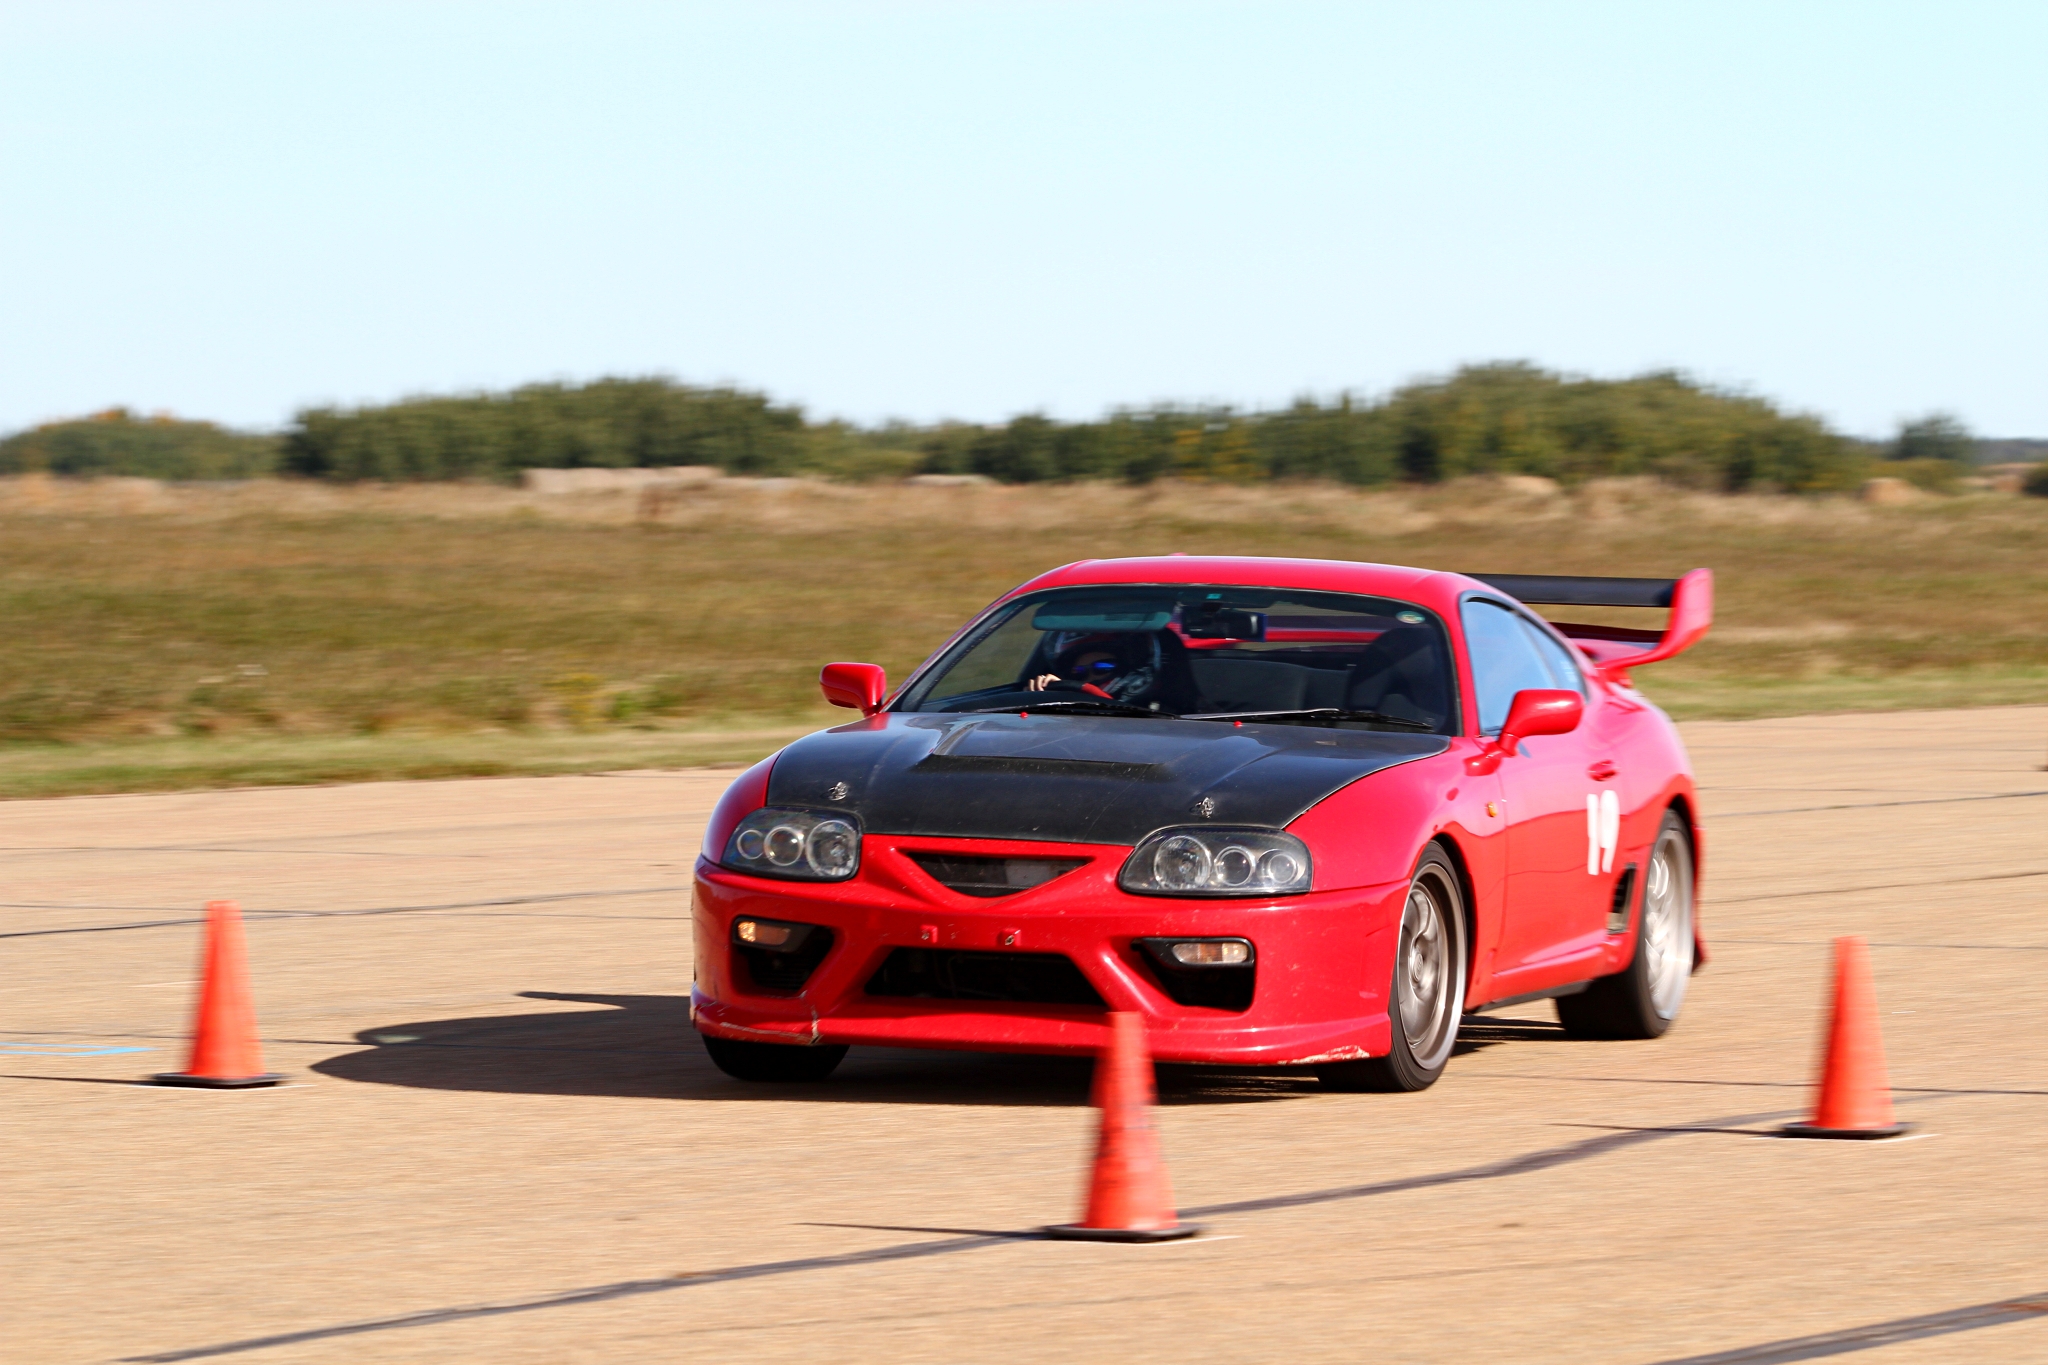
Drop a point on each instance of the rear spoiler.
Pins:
(1617, 650)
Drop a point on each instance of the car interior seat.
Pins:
(1402, 673)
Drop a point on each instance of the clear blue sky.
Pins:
(968, 209)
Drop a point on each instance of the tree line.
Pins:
(1486, 419)
(118, 442)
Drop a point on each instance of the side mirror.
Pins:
(1540, 711)
(1534, 711)
(863, 686)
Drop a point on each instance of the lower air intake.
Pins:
(785, 972)
(1021, 978)
(1221, 983)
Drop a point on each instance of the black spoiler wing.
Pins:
(1690, 598)
(1537, 589)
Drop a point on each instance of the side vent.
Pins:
(1624, 897)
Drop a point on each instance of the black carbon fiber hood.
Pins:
(1075, 779)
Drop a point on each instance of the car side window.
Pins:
(1504, 660)
(1563, 667)
(997, 660)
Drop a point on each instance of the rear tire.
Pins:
(1427, 995)
(1642, 999)
(772, 1061)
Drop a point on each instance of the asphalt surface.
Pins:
(501, 1142)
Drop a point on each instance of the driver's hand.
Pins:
(1041, 682)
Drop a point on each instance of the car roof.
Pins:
(1427, 587)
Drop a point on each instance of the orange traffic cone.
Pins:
(1129, 1197)
(225, 1054)
(1855, 1097)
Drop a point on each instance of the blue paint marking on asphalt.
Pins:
(61, 1050)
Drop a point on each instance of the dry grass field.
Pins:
(260, 633)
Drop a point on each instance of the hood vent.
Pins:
(977, 876)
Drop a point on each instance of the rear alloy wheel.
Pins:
(1428, 989)
(772, 1061)
(1642, 999)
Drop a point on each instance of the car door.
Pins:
(1603, 803)
(1553, 916)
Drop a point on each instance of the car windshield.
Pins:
(1203, 652)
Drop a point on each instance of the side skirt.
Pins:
(1551, 993)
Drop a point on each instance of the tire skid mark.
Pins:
(325, 914)
(623, 1289)
(1527, 1163)
(1530, 1162)
(1876, 805)
(1884, 886)
(1870, 1336)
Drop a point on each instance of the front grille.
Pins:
(979, 876)
(945, 974)
(773, 971)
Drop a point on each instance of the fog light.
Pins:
(1227, 953)
(763, 933)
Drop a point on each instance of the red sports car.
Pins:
(1294, 812)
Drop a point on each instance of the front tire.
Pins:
(1642, 999)
(782, 1062)
(1427, 995)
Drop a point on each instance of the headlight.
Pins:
(795, 843)
(1202, 861)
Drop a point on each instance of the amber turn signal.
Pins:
(762, 933)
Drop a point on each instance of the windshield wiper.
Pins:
(1089, 705)
(1314, 713)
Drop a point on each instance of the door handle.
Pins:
(1603, 770)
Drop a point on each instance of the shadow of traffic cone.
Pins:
(225, 1054)
(1129, 1196)
(1855, 1098)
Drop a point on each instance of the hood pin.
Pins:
(837, 791)
(1206, 807)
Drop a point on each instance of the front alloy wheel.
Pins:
(1428, 990)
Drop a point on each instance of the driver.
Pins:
(1120, 667)
(1097, 669)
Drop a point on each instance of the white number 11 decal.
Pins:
(1603, 830)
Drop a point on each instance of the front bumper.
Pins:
(1324, 960)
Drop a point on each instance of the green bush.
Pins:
(1492, 419)
(612, 423)
(1515, 419)
(116, 442)
(1937, 436)
(1486, 419)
